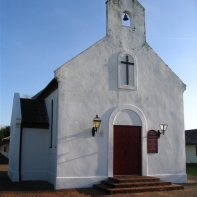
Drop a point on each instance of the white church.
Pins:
(101, 114)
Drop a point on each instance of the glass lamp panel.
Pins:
(96, 124)
(163, 127)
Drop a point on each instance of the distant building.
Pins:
(132, 90)
(5, 146)
(191, 145)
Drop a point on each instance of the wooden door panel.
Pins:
(127, 150)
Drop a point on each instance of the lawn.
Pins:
(191, 170)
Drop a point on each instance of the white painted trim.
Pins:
(17, 105)
(128, 87)
(86, 177)
(111, 137)
(13, 175)
(78, 182)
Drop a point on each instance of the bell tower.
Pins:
(131, 11)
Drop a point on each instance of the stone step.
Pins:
(134, 184)
(110, 190)
(130, 179)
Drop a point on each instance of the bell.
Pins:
(125, 18)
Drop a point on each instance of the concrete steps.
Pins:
(135, 184)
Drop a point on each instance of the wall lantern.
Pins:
(96, 124)
(163, 128)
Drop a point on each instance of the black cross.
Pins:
(127, 68)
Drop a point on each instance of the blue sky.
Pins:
(38, 36)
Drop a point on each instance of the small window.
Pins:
(51, 132)
(56, 123)
(126, 19)
(196, 150)
(4, 149)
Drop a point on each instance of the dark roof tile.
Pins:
(191, 137)
(34, 113)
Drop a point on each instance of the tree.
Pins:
(4, 132)
(27, 96)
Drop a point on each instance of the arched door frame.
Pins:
(111, 137)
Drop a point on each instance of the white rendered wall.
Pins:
(15, 127)
(191, 156)
(88, 85)
(51, 162)
(34, 154)
(38, 160)
(127, 117)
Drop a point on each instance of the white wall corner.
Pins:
(16, 120)
(17, 105)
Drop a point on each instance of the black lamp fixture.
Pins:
(96, 124)
(125, 17)
(163, 128)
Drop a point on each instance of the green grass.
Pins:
(191, 170)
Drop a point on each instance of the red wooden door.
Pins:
(127, 150)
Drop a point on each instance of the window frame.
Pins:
(124, 86)
(4, 149)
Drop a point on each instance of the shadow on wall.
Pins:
(112, 66)
(102, 144)
(91, 152)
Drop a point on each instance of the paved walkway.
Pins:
(45, 189)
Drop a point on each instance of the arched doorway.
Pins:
(127, 125)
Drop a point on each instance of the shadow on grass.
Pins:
(191, 169)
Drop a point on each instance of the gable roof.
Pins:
(34, 113)
(52, 86)
(191, 137)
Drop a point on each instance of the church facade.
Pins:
(123, 81)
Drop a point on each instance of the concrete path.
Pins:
(45, 189)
